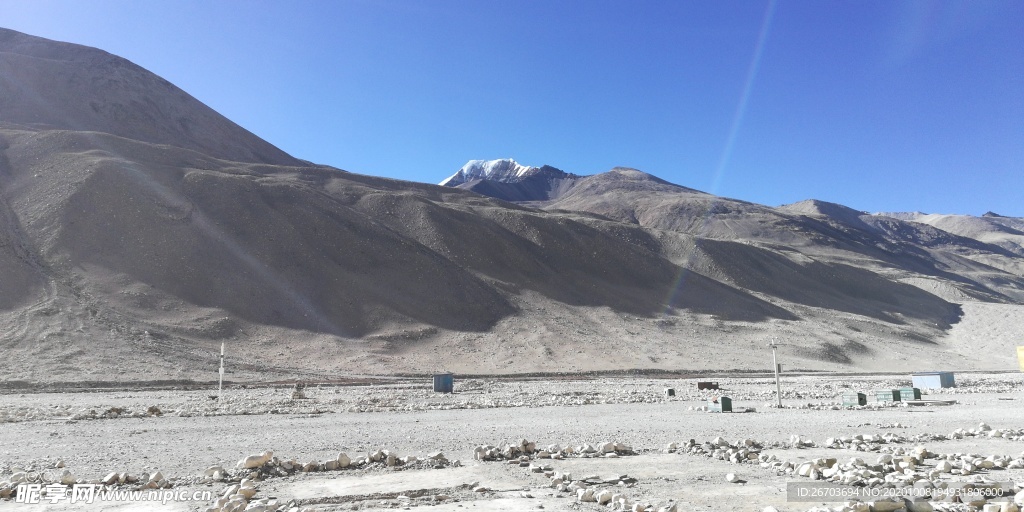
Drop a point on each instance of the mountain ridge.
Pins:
(131, 252)
(113, 95)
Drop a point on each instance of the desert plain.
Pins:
(182, 433)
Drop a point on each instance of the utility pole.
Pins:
(775, 362)
(220, 384)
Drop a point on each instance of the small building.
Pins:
(444, 383)
(933, 380)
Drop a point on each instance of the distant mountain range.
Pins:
(139, 230)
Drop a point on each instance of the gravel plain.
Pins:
(181, 433)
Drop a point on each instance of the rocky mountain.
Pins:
(506, 179)
(139, 230)
(970, 248)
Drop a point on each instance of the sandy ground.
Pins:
(409, 419)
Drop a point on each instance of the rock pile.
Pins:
(894, 467)
(603, 491)
(587, 489)
(527, 450)
(745, 450)
(59, 475)
(114, 413)
(266, 465)
(239, 497)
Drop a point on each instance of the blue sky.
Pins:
(878, 105)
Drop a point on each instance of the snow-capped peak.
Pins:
(505, 169)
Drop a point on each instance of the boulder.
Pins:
(585, 495)
(885, 506)
(255, 461)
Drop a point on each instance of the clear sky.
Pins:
(879, 105)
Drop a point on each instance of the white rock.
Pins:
(732, 478)
(585, 495)
(807, 469)
(343, 460)
(255, 461)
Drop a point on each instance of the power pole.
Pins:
(220, 384)
(775, 362)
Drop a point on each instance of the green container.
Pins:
(851, 399)
(724, 404)
(887, 395)
(910, 394)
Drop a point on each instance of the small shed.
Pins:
(933, 380)
(444, 383)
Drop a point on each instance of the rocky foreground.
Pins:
(603, 444)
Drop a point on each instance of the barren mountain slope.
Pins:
(156, 251)
(50, 85)
(139, 230)
(826, 232)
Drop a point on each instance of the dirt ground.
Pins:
(194, 432)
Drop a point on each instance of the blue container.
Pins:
(444, 383)
(933, 380)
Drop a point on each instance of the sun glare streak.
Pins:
(247, 260)
(730, 142)
(741, 106)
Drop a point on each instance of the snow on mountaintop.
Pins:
(498, 170)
